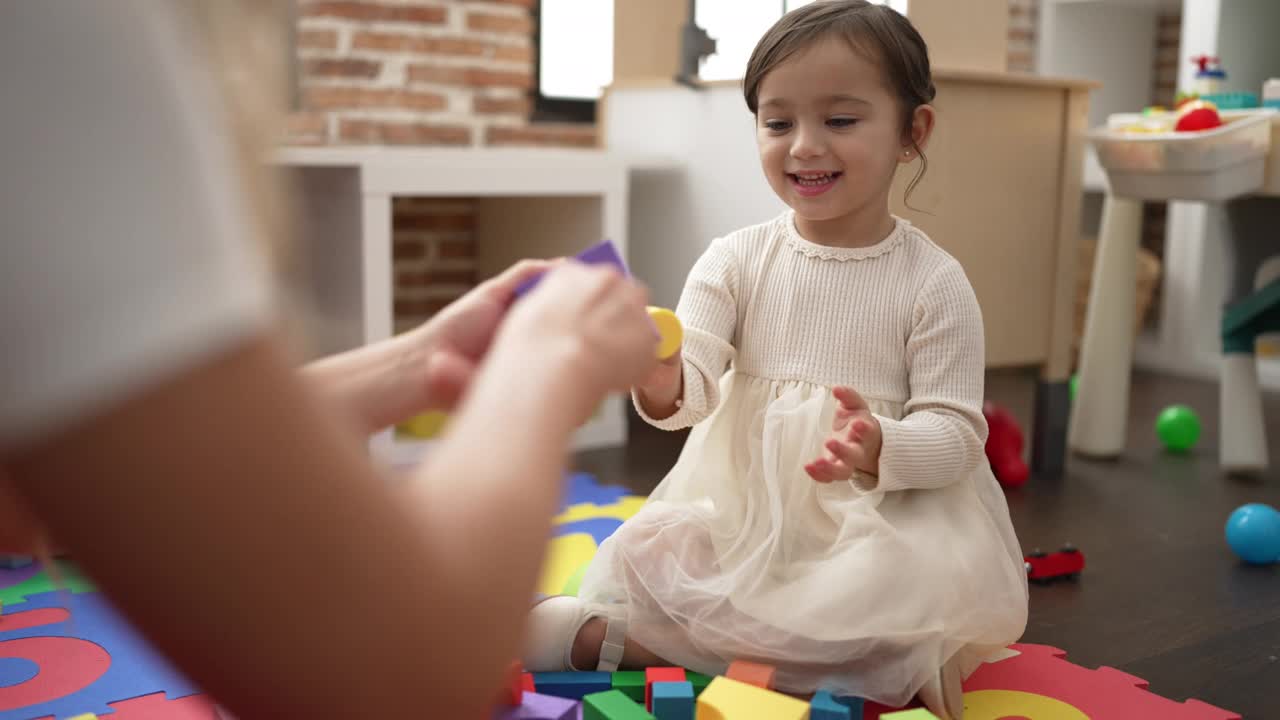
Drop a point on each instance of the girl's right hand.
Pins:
(663, 385)
(591, 324)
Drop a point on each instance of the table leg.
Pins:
(1100, 413)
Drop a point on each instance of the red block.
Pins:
(659, 674)
(527, 679)
(513, 686)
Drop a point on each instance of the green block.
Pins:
(700, 681)
(631, 683)
(612, 705)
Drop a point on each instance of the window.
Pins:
(573, 58)
(574, 54)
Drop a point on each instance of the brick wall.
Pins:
(448, 73)
(1022, 35)
(444, 73)
(434, 249)
(1167, 58)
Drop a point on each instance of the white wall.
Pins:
(676, 213)
(1104, 41)
(1249, 43)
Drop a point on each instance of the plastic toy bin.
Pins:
(1210, 165)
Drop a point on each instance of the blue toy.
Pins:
(1253, 532)
(825, 707)
(673, 700)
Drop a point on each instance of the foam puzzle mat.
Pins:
(65, 653)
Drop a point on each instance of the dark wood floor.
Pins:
(1162, 597)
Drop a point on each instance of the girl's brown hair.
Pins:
(874, 30)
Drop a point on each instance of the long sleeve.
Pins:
(942, 434)
(709, 312)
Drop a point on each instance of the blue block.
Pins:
(825, 707)
(572, 685)
(855, 705)
(673, 700)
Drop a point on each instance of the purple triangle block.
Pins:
(601, 254)
(539, 707)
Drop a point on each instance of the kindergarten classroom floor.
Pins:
(1161, 597)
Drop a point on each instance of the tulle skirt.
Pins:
(739, 554)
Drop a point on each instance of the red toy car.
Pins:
(1066, 563)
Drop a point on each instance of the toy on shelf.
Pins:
(1271, 93)
(1197, 116)
(1209, 81)
(1067, 563)
(1178, 428)
(1209, 75)
(1004, 446)
(1253, 533)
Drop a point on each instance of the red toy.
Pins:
(1043, 567)
(1198, 115)
(1004, 446)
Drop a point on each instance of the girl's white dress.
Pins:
(865, 587)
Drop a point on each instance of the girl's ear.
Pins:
(921, 129)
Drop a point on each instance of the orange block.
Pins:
(751, 673)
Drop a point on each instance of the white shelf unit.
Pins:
(530, 203)
(1113, 42)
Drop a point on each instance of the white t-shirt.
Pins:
(125, 253)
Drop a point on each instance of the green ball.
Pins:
(1074, 385)
(1178, 427)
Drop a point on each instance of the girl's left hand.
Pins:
(854, 443)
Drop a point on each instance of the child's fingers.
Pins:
(849, 398)
(820, 470)
(842, 452)
(858, 430)
(825, 470)
(812, 470)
